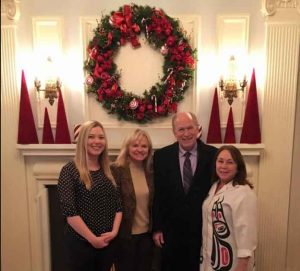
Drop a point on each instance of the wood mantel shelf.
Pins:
(247, 149)
(49, 150)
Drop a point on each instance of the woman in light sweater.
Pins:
(132, 171)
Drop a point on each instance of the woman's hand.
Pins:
(242, 264)
(81, 228)
(98, 242)
(108, 236)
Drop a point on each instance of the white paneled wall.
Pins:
(47, 55)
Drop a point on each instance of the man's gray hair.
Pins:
(192, 115)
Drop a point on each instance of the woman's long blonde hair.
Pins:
(123, 157)
(81, 156)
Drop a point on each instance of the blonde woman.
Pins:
(132, 171)
(90, 202)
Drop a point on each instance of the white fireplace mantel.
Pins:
(43, 163)
(51, 150)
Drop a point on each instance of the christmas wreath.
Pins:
(164, 34)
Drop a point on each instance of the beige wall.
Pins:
(15, 235)
(278, 126)
(293, 245)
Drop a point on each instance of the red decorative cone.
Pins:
(251, 128)
(214, 129)
(229, 134)
(47, 131)
(27, 132)
(62, 130)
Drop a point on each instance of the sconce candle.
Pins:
(51, 88)
(230, 85)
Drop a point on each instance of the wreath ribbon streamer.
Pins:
(163, 33)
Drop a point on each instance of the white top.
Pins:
(229, 227)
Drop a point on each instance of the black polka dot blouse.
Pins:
(97, 206)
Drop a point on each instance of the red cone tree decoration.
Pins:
(27, 132)
(229, 134)
(62, 130)
(47, 131)
(214, 129)
(251, 128)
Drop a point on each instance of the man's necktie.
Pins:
(187, 172)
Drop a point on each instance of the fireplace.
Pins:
(56, 230)
(43, 163)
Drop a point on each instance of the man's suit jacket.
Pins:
(173, 209)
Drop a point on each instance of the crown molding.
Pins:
(10, 11)
(279, 7)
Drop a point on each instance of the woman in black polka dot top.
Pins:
(91, 203)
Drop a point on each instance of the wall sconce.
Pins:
(51, 88)
(230, 85)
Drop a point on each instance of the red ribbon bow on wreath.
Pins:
(129, 31)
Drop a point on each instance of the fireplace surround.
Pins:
(43, 163)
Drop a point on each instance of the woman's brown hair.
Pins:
(241, 175)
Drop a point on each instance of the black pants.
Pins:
(180, 252)
(135, 253)
(82, 256)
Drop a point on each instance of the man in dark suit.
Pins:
(177, 211)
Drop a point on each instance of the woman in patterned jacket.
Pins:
(229, 216)
(90, 203)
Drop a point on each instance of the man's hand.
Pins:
(158, 238)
